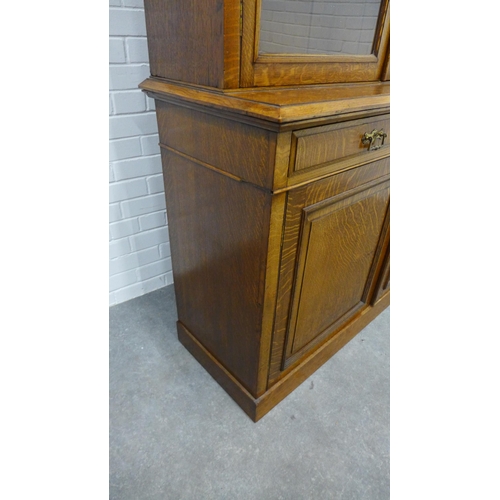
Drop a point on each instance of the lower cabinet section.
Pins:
(271, 282)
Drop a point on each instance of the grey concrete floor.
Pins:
(175, 433)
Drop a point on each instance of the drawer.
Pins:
(322, 150)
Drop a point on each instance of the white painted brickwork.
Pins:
(139, 251)
(318, 27)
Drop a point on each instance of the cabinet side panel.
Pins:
(242, 150)
(218, 236)
(186, 40)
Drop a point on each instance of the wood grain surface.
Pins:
(335, 254)
(219, 231)
(297, 200)
(318, 145)
(186, 40)
(246, 152)
(311, 103)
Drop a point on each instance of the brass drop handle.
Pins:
(374, 139)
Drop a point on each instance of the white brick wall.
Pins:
(318, 26)
(139, 251)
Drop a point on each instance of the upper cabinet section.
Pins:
(265, 43)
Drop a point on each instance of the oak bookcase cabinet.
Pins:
(273, 119)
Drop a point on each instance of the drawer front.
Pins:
(335, 147)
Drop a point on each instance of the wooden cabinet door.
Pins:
(340, 240)
(383, 282)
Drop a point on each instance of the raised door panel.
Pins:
(300, 204)
(340, 237)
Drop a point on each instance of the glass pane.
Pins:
(318, 27)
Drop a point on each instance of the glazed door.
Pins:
(285, 42)
(340, 240)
